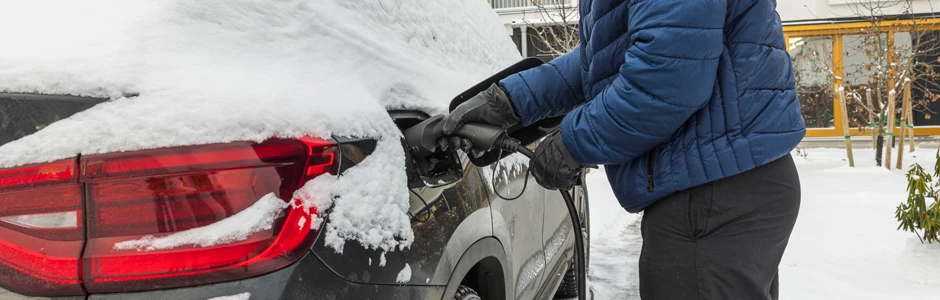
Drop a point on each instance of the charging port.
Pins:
(434, 169)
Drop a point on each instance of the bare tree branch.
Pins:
(555, 28)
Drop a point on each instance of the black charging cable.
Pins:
(511, 144)
(525, 184)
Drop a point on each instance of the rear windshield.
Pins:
(25, 114)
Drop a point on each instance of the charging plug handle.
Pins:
(422, 138)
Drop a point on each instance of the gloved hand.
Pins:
(491, 106)
(553, 167)
(453, 143)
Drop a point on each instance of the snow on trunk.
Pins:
(405, 275)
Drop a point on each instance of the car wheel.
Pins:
(569, 284)
(466, 293)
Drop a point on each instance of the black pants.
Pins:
(721, 240)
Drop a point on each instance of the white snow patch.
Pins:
(366, 201)
(255, 218)
(301, 222)
(615, 242)
(242, 296)
(248, 70)
(405, 275)
(845, 244)
(509, 166)
(531, 269)
(382, 259)
(556, 241)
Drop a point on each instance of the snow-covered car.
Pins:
(252, 150)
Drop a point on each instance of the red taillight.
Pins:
(41, 229)
(151, 195)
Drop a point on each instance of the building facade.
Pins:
(866, 48)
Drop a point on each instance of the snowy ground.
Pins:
(844, 246)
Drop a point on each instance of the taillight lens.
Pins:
(50, 245)
(41, 230)
(154, 194)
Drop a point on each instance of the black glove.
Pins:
(453, 143)
(491, 106)
(553, 167)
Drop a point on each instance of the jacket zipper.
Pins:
(650, 164)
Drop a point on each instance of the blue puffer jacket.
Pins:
(669, 94)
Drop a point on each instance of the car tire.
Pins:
(569, 284)
(466, 293)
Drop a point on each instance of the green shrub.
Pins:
(920, 214)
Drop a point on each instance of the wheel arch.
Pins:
(483, 267)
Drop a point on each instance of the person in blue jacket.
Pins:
(692, 109)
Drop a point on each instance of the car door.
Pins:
(519, 221)
(557, 234)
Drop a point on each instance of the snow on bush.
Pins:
(247, 70)
(920, 212)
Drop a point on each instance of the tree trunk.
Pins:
(879, 148)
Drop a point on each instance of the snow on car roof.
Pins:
(221, 71)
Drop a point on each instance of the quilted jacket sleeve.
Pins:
(668, 73)
(549, 90)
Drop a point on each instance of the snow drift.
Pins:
(219, 71)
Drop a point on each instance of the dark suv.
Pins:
(60, 220)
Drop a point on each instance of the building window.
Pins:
(536, 41)
(497, 4)
(925, 90)
(864, 67)
(812, 66)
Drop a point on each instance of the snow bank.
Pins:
(845, 244)
(220, 71)
(255, 218)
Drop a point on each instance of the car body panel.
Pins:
(518, 224)
(307, 279)
(558, 234)
(435, 227)
(457, 228)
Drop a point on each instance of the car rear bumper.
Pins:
(307, 279)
